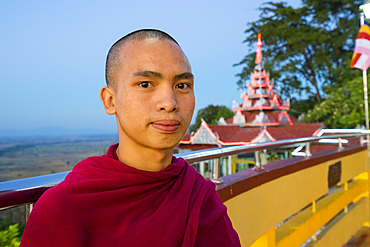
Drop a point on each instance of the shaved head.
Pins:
(114, 62)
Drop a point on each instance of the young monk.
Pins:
(137, 194)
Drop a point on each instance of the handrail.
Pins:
(213, 153)
(28, 190)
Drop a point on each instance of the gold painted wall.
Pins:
(259, 210)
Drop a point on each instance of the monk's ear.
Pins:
(107, 97)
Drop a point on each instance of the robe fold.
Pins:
(103, 202)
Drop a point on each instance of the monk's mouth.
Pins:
(167, 126)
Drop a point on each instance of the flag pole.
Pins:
(364, 75)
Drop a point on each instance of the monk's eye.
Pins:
(182, 86)
(144, 84)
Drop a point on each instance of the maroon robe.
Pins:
(104, 202)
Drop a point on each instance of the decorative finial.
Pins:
(259, 50)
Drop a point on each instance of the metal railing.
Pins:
(28, 190)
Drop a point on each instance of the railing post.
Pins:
(29, 208)
(257, 159)
(308, 152)
(201, 168)
(286, 155)
(230, 164)
(223, 165)
(340, 146)
(216, 171)
(257, 164)
(216, 168)
(264, 157)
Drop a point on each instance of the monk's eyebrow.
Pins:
(186, 75)
(148, 73)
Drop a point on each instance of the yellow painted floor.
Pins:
(361, 239)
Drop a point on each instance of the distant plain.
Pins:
(22, 157)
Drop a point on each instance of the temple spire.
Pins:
(259, 50)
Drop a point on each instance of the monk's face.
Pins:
(154, 97)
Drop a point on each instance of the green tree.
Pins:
(297, 107)
(307, 50)
(343, 108)
(211, 114)
(9, 237)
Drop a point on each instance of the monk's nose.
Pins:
(166, 100)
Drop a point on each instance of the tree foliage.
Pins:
(299, 107)
(9, 237)
(308, 49)
(343, 108)
(211, 114)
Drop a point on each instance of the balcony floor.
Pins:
(361, 239)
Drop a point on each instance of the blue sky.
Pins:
(52, 54)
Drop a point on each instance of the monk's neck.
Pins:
(147, 160)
